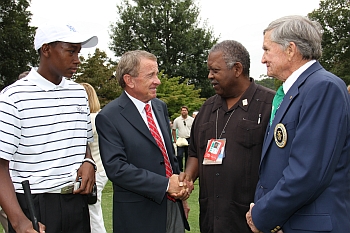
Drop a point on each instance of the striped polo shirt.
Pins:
(44, 129)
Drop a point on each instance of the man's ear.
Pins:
(45, 50)
(129, 81)
(291, 50)
(238, 68)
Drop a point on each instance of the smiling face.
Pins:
(275, 58)
(223, 80)
(144, 86)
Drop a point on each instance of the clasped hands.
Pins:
(251, 223)
(180, 187)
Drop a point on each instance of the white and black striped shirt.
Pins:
(44, 129)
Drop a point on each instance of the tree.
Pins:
(97, 70)
(267, 82)
(176, 95)
(16, 41)
(168, 29)
(334, 16)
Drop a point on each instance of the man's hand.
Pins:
(87, 174)
(250, 220)
(177, 189)
(42, 228)
(10, 205)
(185, 178)
(186, 208)
(251, 223)
(27, 227)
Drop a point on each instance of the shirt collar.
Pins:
(243, 102)
(43, 83)
(295, 75)
(139, 104)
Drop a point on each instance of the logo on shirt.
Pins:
(80, 109)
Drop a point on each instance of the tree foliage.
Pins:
(16, 40)
(176, 95)
(97, 70)
(334, 16)
(170, 30)
(267, 82)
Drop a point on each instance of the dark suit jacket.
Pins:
(135, 165)
(304, 187)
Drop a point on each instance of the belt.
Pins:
(65, 190)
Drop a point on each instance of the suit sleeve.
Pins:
(320, 136)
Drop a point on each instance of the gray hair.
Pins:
(129, 63)
(306, 34)
(233, 52)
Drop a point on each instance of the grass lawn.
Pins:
(193, 218)
(107, 196)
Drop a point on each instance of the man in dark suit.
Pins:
(137, 152)
(304, 174)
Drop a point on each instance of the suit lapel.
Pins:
(132, 115)
(292, 93)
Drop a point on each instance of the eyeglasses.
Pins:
(184, 123)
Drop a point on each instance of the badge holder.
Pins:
(215, 152)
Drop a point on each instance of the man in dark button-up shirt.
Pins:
(239, 113)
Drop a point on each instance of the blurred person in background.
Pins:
(95, 210)
(22, 75)
(182, 129)
(194, 114)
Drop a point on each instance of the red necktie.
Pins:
(155, 133)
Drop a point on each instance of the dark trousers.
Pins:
(59, 212)
(180, 151)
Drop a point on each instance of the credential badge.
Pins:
(280, 135)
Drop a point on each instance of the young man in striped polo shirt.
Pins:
(44, 130)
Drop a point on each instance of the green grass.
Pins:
(107, 206)
(193, 218)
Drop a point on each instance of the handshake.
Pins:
(180, 186)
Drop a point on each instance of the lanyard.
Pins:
(216, 123)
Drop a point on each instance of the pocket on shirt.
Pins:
(249, 133)
(206, 131)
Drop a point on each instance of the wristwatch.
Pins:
(92, 162)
